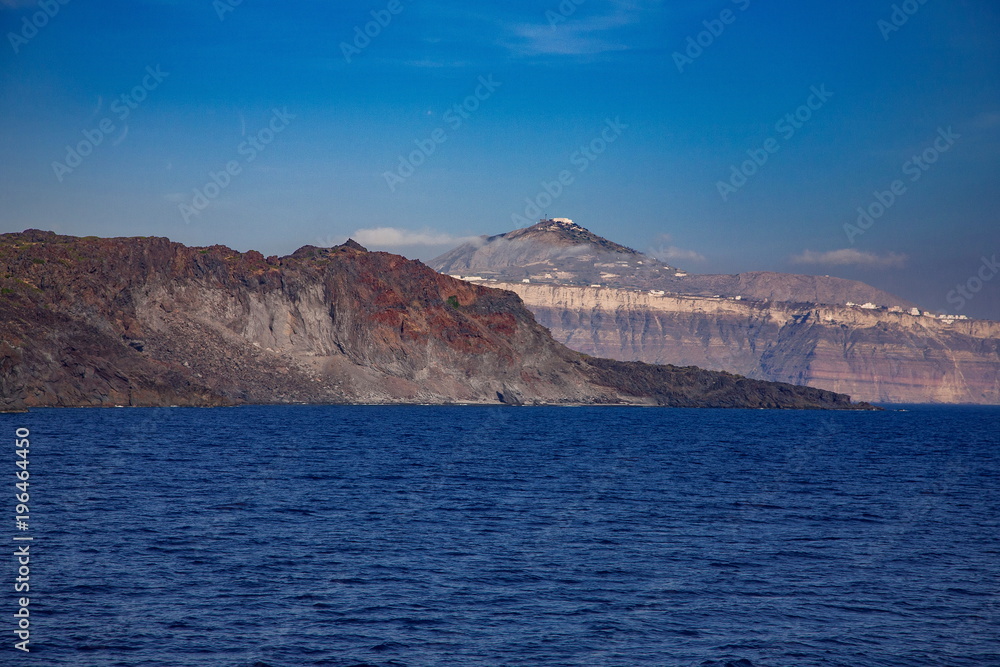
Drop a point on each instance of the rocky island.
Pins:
(148, 322)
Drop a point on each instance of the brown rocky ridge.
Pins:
(147, 322)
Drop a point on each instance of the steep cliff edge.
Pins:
(144, 321)
(873, 355)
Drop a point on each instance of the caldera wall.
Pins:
(873, 355)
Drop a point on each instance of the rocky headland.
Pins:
(148, 322)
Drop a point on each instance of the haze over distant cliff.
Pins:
(624, 305)
(143, 321)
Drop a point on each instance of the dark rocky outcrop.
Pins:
(144, 321)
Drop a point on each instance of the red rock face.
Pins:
(143, 321)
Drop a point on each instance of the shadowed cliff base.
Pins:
(148, 322)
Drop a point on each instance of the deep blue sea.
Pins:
(474, 536)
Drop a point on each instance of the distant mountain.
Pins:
(147, 322)
(559, 240)
(604, 299)
(561, 252)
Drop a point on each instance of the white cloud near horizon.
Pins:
(849, 257)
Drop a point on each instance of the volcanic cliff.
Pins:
(144, 321)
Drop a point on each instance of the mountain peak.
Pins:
(353, 245)
(557, 224)
(552, 248)
(564, 232)
(558, 251)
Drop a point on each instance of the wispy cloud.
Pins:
(665, 251)
(394, 237)
(586, 32)
(672, 253)
(851, 256)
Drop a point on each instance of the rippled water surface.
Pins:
(421, 536)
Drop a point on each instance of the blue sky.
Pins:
(250, 124)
